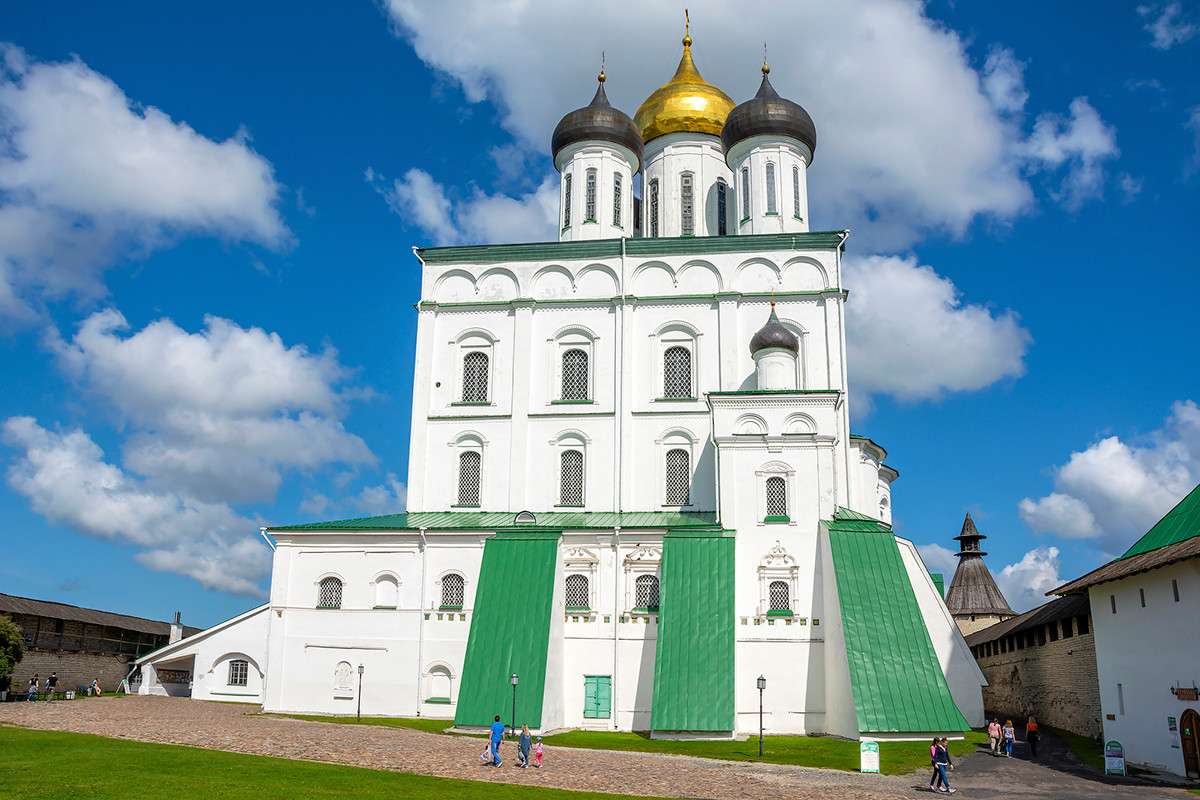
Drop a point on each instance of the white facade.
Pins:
(226, 662)
(770, 173)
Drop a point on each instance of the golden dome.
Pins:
(686, 103)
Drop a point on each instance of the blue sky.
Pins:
(206, 283)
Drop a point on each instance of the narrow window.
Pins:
(679, 476)
(239, 670)
(330, 593)
(575, 375)
(567, 201)
(589, 198)
(745, 193)
(1121, 699)
(722, 191)
(771, 209)
(1112, 599)
(780, 596)
(1042, 636)
(654, 207)
(1021, 642)
(776, 497)
(468, 478)
(1053, 626)
(475, 377)
(386, 592)
(1142, 595)
(571, 478)
(677, 372)
(1068, 627)
(452, 591)
(577, 591)
(645, 592)
(796, 192)
(686, 225)
(1175, 589)
(1082, 622)
(617, 199)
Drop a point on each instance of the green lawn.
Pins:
(54, 765)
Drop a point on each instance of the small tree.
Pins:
(12, 646)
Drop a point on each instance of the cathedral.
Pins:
(635, 501)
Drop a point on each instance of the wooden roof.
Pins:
(1059, 608)
(10, 604)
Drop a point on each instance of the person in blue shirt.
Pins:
(497, 736)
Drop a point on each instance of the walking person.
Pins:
(497, 735)
(994, 736)
(1032, 736)
(34, 685)
(51, 685)
(942, 761)
(935, 780)
(1010, 736)
(537, 753)
(523, 744)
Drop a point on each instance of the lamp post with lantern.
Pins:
(762, 684)
(358, 715)
(513, 680)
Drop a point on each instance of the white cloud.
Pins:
(1131, 187)
(67, 480)
(87, 175)
(910, 335)
(1081, 142)
(1167, 28)
(219, 414)
(1193, 125)
(1113, 492)
(387, 498)
(939, 559)
(1003, 81)
(1025, 583)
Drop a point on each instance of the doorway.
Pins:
(1189, 738)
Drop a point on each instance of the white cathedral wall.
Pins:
(783, 153)
(608, 160)
(667, 158)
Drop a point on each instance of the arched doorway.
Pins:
(1189, 737)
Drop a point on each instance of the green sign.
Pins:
(1114, 758)
(868, 756)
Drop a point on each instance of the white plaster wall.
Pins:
(207, 655)
(754, 154)
(1147, 651)
(607, 159)
(667, 158)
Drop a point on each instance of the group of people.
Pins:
(1002, 737)
(939, 757)
(525, 742)
(35, 687)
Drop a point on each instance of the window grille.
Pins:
(567, 201)
(677, 372)
(575, 375)
(452, 591)
(617, 199)
(577, 591)
(796, 191)
(771, 188)
(645, 592)
(722, 228)
(468, 478)
(589, 198)
(239, 670)
(745, 193)
(686, 226)
(776, 497)
(654, 207)
(571, 478)
(475, 377)
(330, 593)
(678, 477)
(778, 592)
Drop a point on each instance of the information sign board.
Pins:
(868, 753)
(1114, 758)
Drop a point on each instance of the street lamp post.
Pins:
(762, 684)
(513, 680)
(358, 716)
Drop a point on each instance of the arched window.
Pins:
(796, 191)
(779, 596)
(771, 209)
(387, 592)
(577, 591)
(679, 476)
(654, 207)
(571, 478)
(468, 477)
(239, 671)
(745, 193)
(722, 191)
(575, 375)
(617, 199)
(452, 590)
(677, 372)
(645, 592)
(329, 594)
(686, 224)
(776, 489)
(589, 198)
(475, 377)
(567, 201)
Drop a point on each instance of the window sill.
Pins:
(235, 694)
(384, 608)
(328, 608)
(572, 402)
(771, 213)
(565, 228)
(797, 216)
(472, 403)
(440, 700)
(743, 220)
(782, 518)
(591, 222)
(569, 505)
(449, 608)
(466, 505)
(578, 609)
(646, 610)
(676, 399)
(779, 612)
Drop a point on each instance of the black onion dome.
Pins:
(598, 121)
(768, 113)
(773, 334)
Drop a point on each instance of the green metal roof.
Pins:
(693, 665)
(510, 629)
(1180, 524)
(939, 580)
(500, 520)
(895, 675)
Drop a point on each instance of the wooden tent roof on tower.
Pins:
(973, 590)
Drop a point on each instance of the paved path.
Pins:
(240, 729)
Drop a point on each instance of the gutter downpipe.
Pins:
(266, 670)
(844, 417)
(616, 725)
(615, 693)
(421, 614)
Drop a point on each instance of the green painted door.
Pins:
(597, 696)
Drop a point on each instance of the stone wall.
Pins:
(969, 623)
(1053, 679)
(72, 668)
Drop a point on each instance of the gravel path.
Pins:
(241, 729)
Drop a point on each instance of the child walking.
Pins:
(523, 744)
(537, 753)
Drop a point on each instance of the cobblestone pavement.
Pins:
(240, 729)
